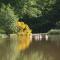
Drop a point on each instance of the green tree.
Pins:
(36, 12)
(32, 8)
(8, 19)
(36, 8)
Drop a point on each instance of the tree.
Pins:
(32, 8)
(36, 11)
(36, 8)
(8, 19)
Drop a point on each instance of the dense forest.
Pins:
(40, 15)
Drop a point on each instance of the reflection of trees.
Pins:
(43, 51)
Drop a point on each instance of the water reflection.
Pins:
(42, 50)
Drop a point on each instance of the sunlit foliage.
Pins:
(24, 34)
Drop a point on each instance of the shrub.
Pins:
(23, 36)
(54, 31)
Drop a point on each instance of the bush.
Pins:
(54, 31)
(8, 19)
(24, 36)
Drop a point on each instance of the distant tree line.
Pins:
(40, 15)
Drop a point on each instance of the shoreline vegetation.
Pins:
(20, 20)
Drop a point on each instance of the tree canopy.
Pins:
(8, 19)
(40, 15)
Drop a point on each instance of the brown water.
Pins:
(38, 50)
(8, 48)
(41, 51)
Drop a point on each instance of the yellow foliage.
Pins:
(21, 25)
(24, 36)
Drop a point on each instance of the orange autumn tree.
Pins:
(24, 36)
